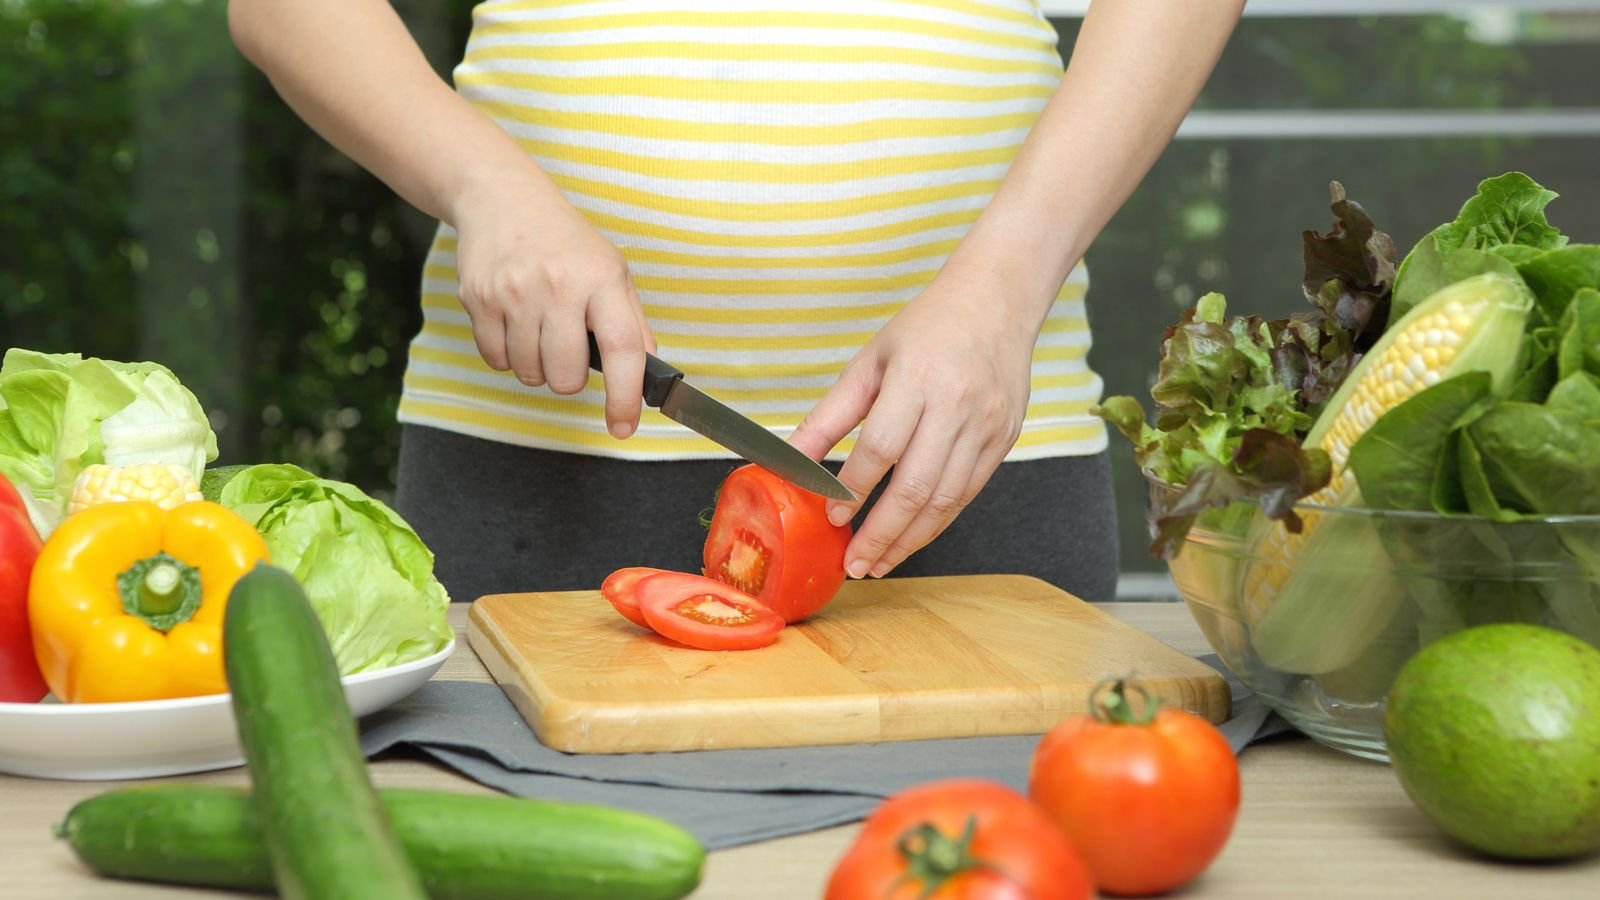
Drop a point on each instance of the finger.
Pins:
(644, 323)
(989, 459)
(839, 411)
(522, 348)
(489, 333)
(564, 352)
(950, 496)
(917, 474)
(881, 444)
(616, 333)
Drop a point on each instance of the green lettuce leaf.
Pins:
(1229, 406)
(1579, 349)
(1506, 211)
(60, 413)
(1536, 365)
(1538, 459)
(1578, 393)
(1557, 275)
(366, 572)
(1397, 460)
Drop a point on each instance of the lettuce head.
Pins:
(366, 572)
(60, 413)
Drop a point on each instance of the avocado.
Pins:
(1494, 732)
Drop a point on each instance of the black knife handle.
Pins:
(659, 376)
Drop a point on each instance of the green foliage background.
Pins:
(159, 201)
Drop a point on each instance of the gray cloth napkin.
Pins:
(723, 797)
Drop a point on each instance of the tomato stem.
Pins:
(933, 857)
(1108, 703)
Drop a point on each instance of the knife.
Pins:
(682, 402)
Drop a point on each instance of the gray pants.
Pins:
(501, 518)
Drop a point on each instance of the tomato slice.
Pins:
(705, 613)
(773, 541)
(618, 589)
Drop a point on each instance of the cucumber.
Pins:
(327, 834)
(465, 846)
(212, 481)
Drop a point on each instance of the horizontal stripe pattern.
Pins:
(782, 177)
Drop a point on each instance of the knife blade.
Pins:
(665, 389)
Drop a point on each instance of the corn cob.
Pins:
(1319, 618)
(162, 484)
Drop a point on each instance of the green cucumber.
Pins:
(327, 834)
(212, 481)
(465, 846)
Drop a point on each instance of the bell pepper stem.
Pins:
(161, 590)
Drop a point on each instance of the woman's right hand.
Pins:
(535, 277)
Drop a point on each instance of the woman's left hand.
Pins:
(940, 393)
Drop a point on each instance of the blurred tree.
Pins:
(161, 202)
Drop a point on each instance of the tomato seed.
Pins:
(709, 609)
(746, 564)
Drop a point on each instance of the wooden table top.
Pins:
(1314, 823)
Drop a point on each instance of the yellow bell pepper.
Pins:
(126, 600)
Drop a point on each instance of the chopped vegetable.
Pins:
(773, 541)
(702, 612)
(618, 589)
(164, 484)
(127, 600)
(60, 413)
(367, 573)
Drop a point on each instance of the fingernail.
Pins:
(620, 430)
(857, 568)
(838, 514)
(880, 570)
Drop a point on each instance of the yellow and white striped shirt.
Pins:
(781, 176)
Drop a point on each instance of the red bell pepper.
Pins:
(20, 680)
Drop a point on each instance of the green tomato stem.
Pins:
(1109, 705)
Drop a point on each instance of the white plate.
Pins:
(151, 738)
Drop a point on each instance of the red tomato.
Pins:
(773, 541)
(618, 589)
(20, 679)
(959, 839)
(699, 612)
(1149, 800)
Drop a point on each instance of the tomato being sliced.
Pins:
(773, 541)
(618, 589)
(700, 612)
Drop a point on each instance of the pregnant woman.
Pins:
(860, 222)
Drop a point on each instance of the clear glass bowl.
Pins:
(1319, 625)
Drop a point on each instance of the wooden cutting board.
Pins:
(888, 660)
